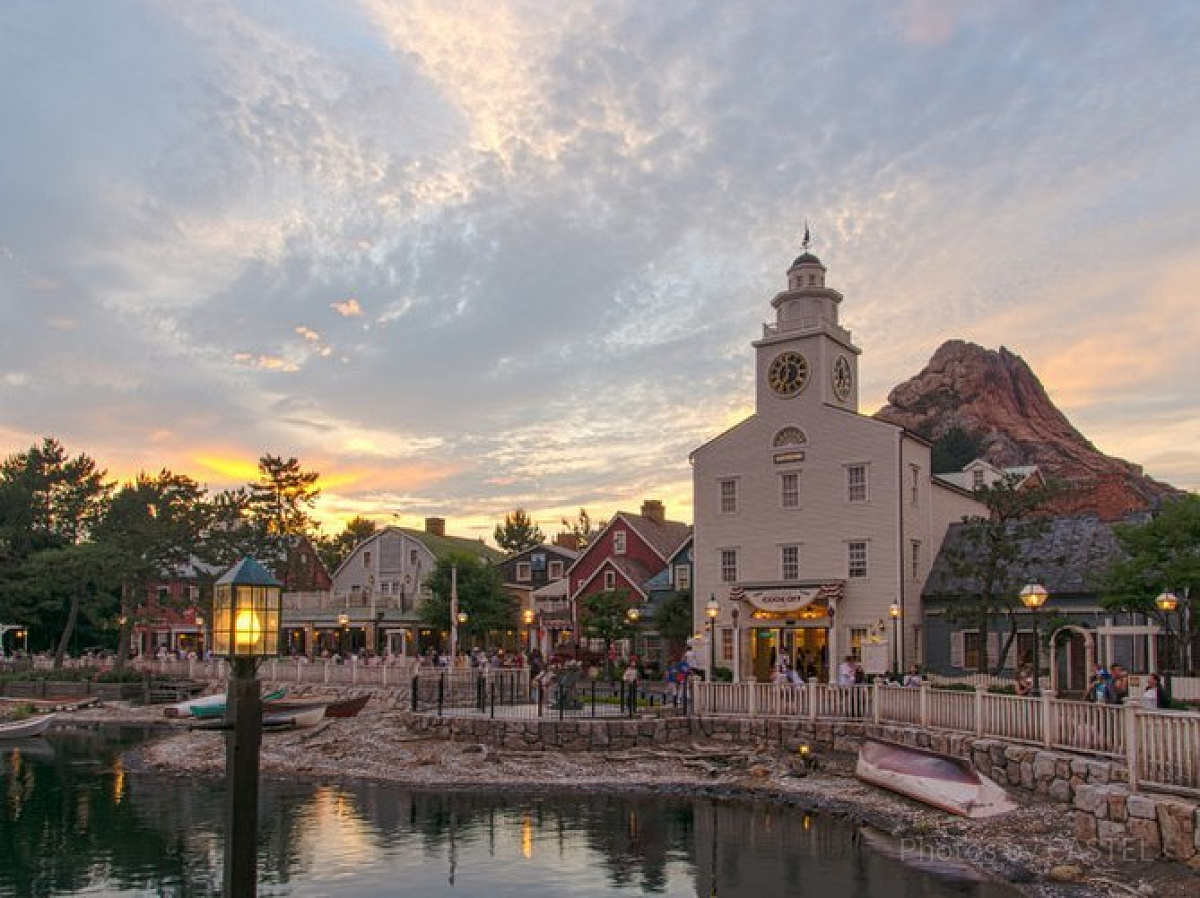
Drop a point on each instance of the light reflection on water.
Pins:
(75, 820)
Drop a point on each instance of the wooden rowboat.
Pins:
(23, 729)
(346, 707)
(211, 709)
(951, 784)
(184, 709)
(306, 718)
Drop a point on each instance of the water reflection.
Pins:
(74, 818)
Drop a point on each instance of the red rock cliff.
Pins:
(995, 397)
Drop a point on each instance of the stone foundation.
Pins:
(1108, 818)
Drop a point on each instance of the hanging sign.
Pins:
(783, 599)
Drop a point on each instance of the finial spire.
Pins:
(807, 236)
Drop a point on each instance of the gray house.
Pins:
(1067, 558)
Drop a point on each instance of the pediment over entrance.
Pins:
(791, 597)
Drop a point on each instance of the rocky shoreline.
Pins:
(1033, 849)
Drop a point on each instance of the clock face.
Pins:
(788, 373)
(843, 380)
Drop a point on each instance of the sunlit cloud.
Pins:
(347, 308)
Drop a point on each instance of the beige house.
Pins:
(811, 519)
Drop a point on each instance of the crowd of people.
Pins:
(1110, 686)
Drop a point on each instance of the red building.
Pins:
(626, 555)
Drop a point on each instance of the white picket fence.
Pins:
(1161, 749)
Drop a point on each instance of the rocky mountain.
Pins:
(996, 400)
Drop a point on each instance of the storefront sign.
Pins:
(782, 599)
(785, 458)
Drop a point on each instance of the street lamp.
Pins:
(527, 615)
(1033, 597)
(343, 632)
(737, 646)
(453, 613)
(247, 606)
(712, 608)
(895, 611)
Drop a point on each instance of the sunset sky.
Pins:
(466, 257)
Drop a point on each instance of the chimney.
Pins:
(653, 509)
(567, 541)
(436, 526)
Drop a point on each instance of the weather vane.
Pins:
(807, 236)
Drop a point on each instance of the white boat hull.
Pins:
(23, 729)
(937, 780)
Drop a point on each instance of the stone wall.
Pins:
(1108, 818)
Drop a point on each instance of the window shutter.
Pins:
(956, 649)
(994, 645)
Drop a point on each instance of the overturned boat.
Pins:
(951, 784)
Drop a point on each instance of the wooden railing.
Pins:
(1161, 749)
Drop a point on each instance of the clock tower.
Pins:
(806, 357)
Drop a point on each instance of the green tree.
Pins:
(518, 532)
(153, 526)
(481, 595)
(336, 549)
(993, 554)
(674, 623)
(281, 499)
(74, 584)
(955, 449)
(605, 615)
(1159, 555)
(50, 499)
(582, 528)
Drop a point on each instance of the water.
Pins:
(74, 820)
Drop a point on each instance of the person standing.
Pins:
(846, 672)
(1153, 696)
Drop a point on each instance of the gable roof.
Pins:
(548, 548)
(663, 537)
(1066, 558)
(634, 572)
(441, 546)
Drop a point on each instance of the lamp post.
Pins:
(343, 632)
(203, 641)
(895, 611)
(374, 643)
(1033, 597)
(737, 646)
(633, 616)
(1167, 602)
(453, 613)
(712, 608)
(247, 606)
(527, 615)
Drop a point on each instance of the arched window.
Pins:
(788, 437)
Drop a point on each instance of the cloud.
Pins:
(552, 238)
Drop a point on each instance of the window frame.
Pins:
(620, 542)
(728, 565)
(861, 571)
(524, 572)
(853, 487)
(793, 563)
(792, 494)
(727, 495)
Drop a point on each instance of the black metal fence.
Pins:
(512, 695)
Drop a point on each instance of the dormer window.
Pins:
(618, 542)
(977, 478)
(524, 572)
